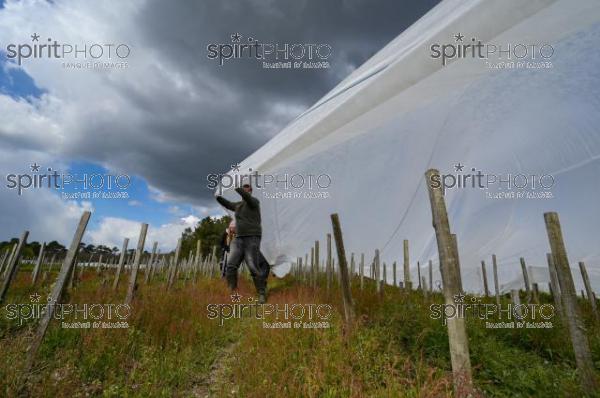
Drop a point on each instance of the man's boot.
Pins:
(232, 281)
(261, 289)
(262, 296)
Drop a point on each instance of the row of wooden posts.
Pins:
(561, 286)
(194, 265)
(310, 267)
(170, 265)
(304, 269)
(154, 261)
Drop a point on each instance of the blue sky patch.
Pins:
(138, 203)
(16, 83)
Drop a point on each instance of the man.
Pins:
(246, 245)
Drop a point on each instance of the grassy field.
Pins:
(171, 348)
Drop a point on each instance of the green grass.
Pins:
(397, 349)
(169, 345)
(171, 348)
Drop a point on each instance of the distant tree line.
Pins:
(32, 249)
(209, 230)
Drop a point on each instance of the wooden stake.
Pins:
(430, 276)
(57, 291)
(136, 265)
(328, 264)
(173, 276)
(169, 269)
(12, 255)
(4, 257)
(305, 269)
(362, 270)
(318, 256)
(588, 289)
(484, 277)
(345, 281)
(157, 264)
(121, 263)
(457, 332)
(215, 261)
(188, 266)
(198, 258)
(407, 283)
(312, 267)
(516, 300)
(525, 279)
(99, 266)
(13, 265)
(150, 266)
(536, 293)
(496, 284)
(583, 357)
(38, 265)
(377, 285)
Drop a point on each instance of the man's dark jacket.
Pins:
(247, 213)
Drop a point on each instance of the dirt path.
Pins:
(219, 376)
(219, 380)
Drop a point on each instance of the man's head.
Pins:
(247, 188)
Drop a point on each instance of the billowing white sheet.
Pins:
(402, 112)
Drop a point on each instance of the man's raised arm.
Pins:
(225, 203)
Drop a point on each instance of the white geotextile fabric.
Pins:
(401, 113)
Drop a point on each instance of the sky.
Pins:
(172, 116)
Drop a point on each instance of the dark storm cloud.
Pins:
(355, 29)
(184, 140)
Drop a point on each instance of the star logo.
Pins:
(34, 298)
(236, 297)
(235, 38)
(459, 167)
(235, 167)
(35, 167)
(35, 37)
(459, 37)
(459, 298)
